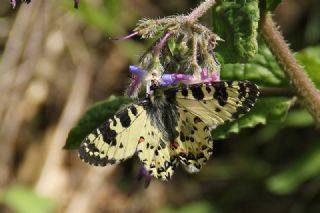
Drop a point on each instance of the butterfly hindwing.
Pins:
(116, 139)
(194, 144)
(155, 154)
(217, 102)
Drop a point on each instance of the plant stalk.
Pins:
(301, 83)
(200, 10)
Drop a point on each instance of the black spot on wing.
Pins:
(208, 89)
(184, 92)
(114, 121)
(134, 110)
(92, 147)
(124, 118)
(191, 156)
(197, 92)
(95, 133)
(160, 170)
(182, 138)
(90, 156)
(229, 83)
(220, 93)
(200, 155)
(241, 90)
(108, 135)
(250, 98)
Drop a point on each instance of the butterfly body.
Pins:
(169, 127)
(163, 113)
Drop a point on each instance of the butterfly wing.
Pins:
(194, 144)
(116, 139)
(155, 154)
(127, 133)
(216, 102)
(198, 106)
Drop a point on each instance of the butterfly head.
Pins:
(153, 83)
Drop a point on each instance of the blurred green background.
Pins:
(56, 61)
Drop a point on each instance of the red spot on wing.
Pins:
(141, 139)
(175, 145)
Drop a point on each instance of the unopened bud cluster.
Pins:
(183, 53)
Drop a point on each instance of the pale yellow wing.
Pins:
(216, 102)
(116, 139)
(155, 153)
(194, 144)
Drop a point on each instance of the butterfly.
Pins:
(170, 127)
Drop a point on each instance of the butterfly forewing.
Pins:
(217, 102)
(116, 139)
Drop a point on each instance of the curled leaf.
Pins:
(236, 22)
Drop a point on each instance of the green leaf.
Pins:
(272, 4)
(24, 200)
(301, 170)
(236, 21)
(263, 69)
(265, 110)
(93, 118)
(297, 118)
(172, 45)
(310, 59)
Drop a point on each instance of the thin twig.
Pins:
(200, 11)
(300, 81)
(276, 91)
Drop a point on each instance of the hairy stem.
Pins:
(300, 81)
(200, 10)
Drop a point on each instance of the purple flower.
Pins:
(13, 3)
(136, 82)
(169, 79)
(206, 78)
(144, 174)
(215, 76)
(204, 73)
(135, 70)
